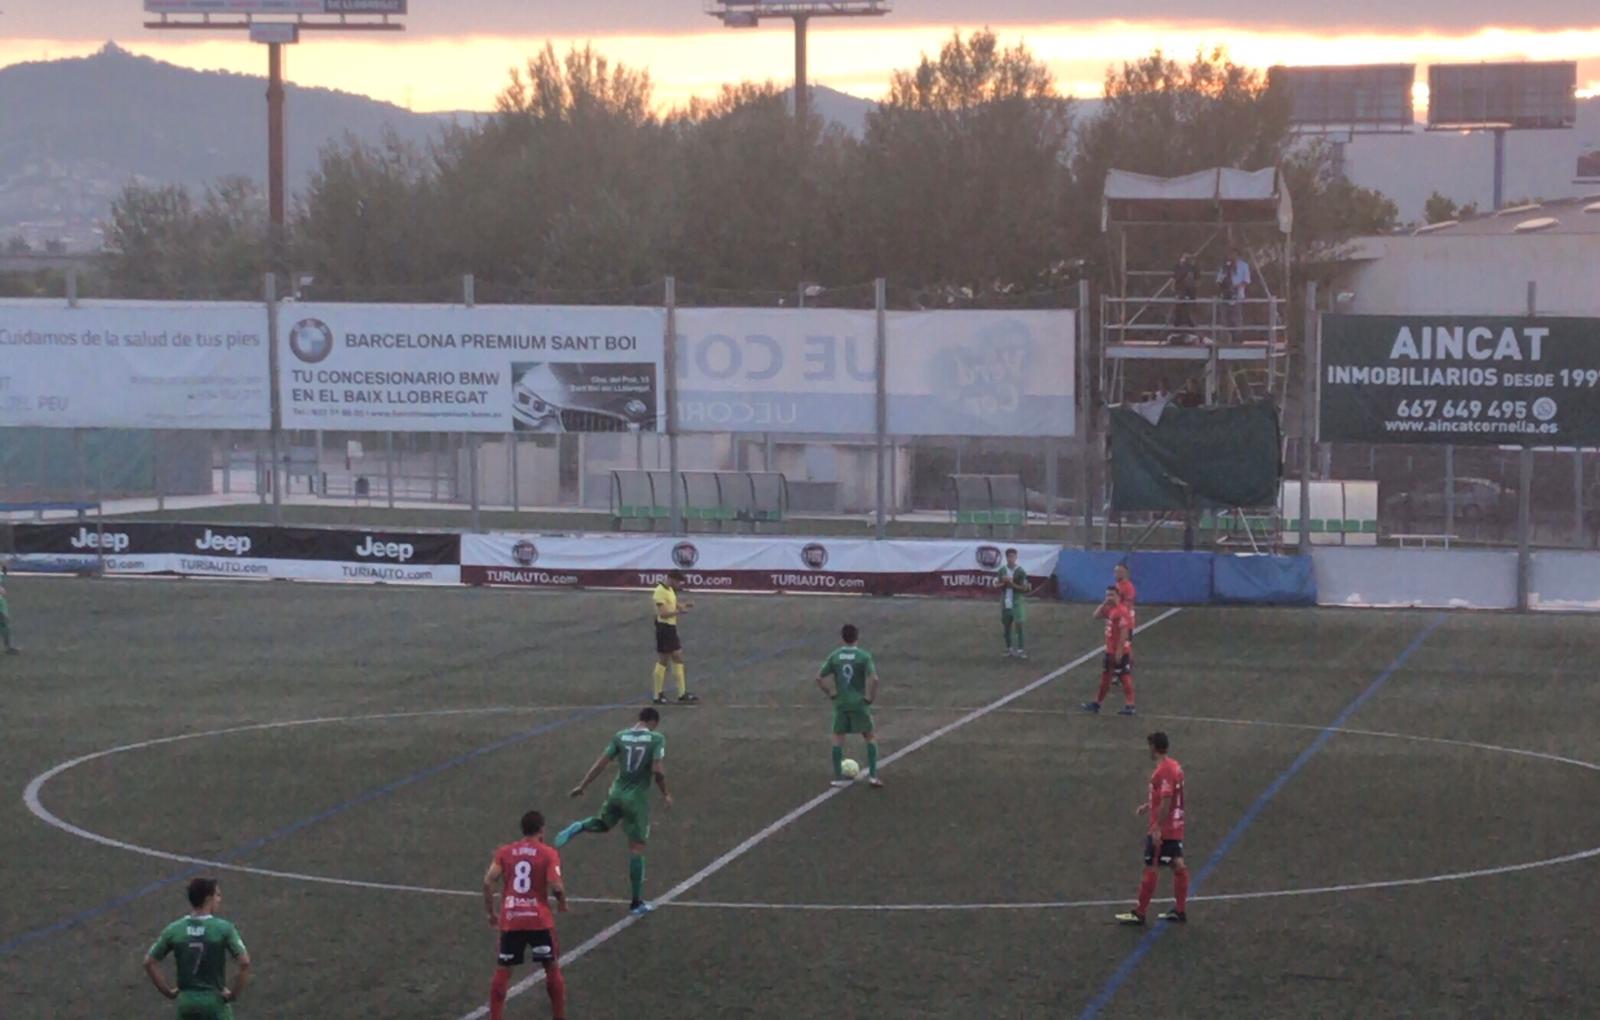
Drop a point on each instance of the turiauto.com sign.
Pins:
(1461, 379)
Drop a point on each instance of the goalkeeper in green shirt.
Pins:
(854, 677)
(200, 945)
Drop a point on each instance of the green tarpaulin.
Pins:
(1211, 457)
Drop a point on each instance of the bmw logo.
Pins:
(311, 340)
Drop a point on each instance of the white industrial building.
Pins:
(1482, 265)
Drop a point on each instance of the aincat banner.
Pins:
(489, 368)
(1460, 380)
(799, 565)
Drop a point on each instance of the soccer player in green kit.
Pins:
(200, 945)
(855, 688)
(1013, 603)
(639, 752)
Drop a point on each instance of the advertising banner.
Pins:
(982, 373)
(134, 364)
(275, 6)
(241, 551)
(1462, 380)
(814, 371)
(450, 368)
(962, 569)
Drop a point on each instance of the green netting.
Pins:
(1196, 457)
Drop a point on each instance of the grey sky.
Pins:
(104, 19)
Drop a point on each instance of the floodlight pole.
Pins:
(1499, 168)
(276, 156)
(802, 88)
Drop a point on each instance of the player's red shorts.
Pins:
(539, 943)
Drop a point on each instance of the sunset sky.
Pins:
(455, 56)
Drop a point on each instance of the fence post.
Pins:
(275, 427)
(880, 299)
(515, 446)
(1524, 494)
(1085, 417)
(469, 290)
(472, 482)
(670, 356)
(1050, 484)
(1577, 497)
(155, 467)
(1450, 489)
(1310, 367)
(388, 464)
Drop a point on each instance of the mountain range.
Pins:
(73, 132)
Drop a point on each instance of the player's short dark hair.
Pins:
(532, 823)
(1012, 551)
(649, 715)
(200, 890)
(1112, 589)
(1157, 740)
(678, 575)
(851, 633)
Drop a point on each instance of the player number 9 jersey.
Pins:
(1167, 781)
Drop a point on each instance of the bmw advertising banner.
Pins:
(1459, 379)
(961, 569)
(815, 371)
(134, 365)
(240, 551)
(450, 368)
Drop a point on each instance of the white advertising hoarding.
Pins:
(961, 373)
(275, 6)
(134, 364)
(450, 368)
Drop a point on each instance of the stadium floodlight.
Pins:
(1501, 98)
(748, 14)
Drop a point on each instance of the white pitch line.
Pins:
(617, 927)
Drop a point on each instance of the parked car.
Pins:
(1476, 499)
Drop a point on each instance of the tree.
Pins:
(961, 178)
(1439, 209)
(159, 244)
(368, 218)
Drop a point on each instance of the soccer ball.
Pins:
(849, 768)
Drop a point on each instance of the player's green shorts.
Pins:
(1017, 615)
(632, 810)
(203, 1006)
(852, 719)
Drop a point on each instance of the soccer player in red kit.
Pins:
(520, 881)
(1118, 661)
(1163, 843)
(1125, 587)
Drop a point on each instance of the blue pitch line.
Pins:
(1125, 970)
(16, 942)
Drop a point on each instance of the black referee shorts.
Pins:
(667, 638)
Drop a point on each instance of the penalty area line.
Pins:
(621, 925)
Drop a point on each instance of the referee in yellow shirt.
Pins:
(669, 649)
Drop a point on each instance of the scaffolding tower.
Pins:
(1153, 328)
